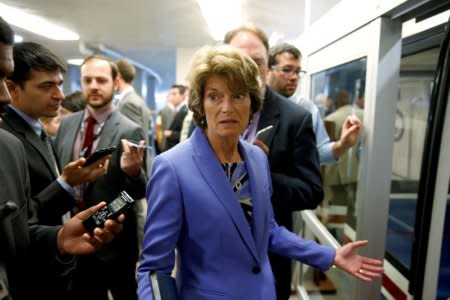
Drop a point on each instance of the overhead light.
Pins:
(75, 61)
(18, 38)
(221, 16)
(36, 24)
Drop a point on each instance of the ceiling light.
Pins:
(75, 61)
(36, 24)
(221, 16)
(18, 38)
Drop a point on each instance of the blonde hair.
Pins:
(236, 67)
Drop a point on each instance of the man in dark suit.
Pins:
(35, 88)
(291, 148)
(172, 134)
(100, 126)
(23, 241)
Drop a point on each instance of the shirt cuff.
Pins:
(66, 186)
(326, 153)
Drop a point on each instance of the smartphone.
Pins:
(264, 133)
(111, 211)
(99, 154)
(137, 145)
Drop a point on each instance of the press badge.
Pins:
(3, 289)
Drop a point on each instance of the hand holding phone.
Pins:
(98, 154)
(264, 133)
(111, 211)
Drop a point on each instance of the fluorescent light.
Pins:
(18, 38)
(221, 16)
(36, 24)
(75, 61)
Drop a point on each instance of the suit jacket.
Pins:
(192, 207)
(108, 187)
(53, 201)
(293, 157)
(346, 169)
(166, 116)
(134, 108)
(175, 127)
(24, 242)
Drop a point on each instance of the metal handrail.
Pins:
(318, 229)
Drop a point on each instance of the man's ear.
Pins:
(117, 82)
(13, 88)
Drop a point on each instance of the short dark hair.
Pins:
(30, 56)
(74, 102)
(249, 27)
(113, 66)
(181, 88)
(280, 49)
(6, 33)
(126, 70)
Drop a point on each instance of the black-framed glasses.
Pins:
(289, 70)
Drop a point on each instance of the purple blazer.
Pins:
(191, 207)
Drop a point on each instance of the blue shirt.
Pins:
(324, 145)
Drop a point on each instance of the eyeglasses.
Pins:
(289, 70)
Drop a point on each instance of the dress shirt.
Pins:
(101, 119)
(249, 134)
(324, 145)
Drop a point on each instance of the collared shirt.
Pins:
(180, 106)
(249, 134)
(125, 91)
(36, 126)
(324, 145)
(101, 119)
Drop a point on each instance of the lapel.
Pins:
(21, 127)
(110, 130)
(255, 169)
(212, 172)
(270, 114)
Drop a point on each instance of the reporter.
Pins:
(24, 242)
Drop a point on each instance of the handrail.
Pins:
(318, 229)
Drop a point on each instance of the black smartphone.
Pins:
(99, 154)
(264, 133)
(111, 211)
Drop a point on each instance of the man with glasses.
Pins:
(283, 76)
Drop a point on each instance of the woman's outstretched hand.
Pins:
(362, 267)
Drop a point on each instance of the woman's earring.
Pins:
(203, 121)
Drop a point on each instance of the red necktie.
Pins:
(89, 136)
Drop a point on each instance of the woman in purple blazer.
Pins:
(209, 197)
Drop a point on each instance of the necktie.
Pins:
(88, 136)
(48, 143)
